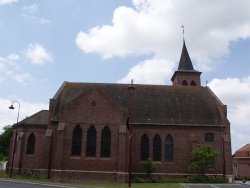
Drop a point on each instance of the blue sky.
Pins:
(44, 43)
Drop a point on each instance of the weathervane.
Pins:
(183, 31)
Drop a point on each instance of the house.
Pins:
(241, 162)
(83, 135)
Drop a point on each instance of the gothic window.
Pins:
(184, 83)
(157, 148)
(76, 148)
(144, 154)
(91, 142)
(209, 137)
(193, 83)
(105, 142)
(31, 144)
(169, 149)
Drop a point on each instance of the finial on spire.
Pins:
(183, 31)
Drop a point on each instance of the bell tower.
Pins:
(186, 75)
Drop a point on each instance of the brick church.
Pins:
(86, 131)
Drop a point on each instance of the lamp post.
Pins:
(15, 137)
(131, 88)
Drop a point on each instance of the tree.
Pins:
(202, 158)
(5, 141)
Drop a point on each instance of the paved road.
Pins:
(9, 183)
(234, 185)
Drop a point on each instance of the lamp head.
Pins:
(11, 107)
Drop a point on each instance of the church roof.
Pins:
(154, 104)
(39, 118)
(243, 152)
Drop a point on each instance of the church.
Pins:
(96, 131)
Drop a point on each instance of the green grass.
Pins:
(133, 185)
(100, 185)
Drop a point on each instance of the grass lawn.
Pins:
(102, 185)
(134, 185)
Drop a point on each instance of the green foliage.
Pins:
(141, 180)
(173, 180)
(2, 157)
(5, 141)
(202, 158)
(189, 179)
(205, 179)
(30, 175)
(3, 174)
(149, 166)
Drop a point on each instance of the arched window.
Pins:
(76, 148)
(144, 148)
(31, 144)
(105, 142)
(91, 142)
(169, 149)
(184, 83)
(157, 148)
(193, 83)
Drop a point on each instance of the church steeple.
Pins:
(186, 75)
(185, 61)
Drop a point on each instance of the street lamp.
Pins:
(15, 136)
(131, 88)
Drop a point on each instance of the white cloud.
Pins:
(154, 27)
(31, 11)
(10, 70)
(9, 117)
(37, 54)
(22, 78)
(142, 73)
(4, 2)
(235, 92)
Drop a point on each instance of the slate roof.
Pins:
(185, 63)
(154, 104)
(242, 152)
(39, 118)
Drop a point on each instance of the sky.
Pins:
(44, 43)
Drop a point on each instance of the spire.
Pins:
(186, 75)
(185, 63)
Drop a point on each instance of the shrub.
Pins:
(31, 175)
(205, 179)
(149, 166)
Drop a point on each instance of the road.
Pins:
(10, 183)
(234, 185)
